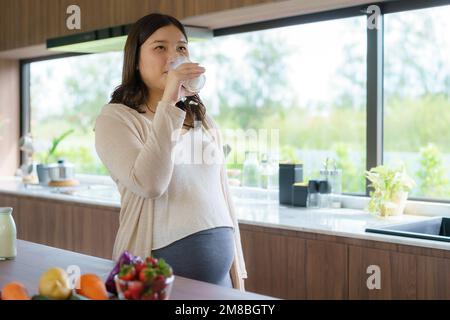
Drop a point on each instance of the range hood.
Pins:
(111, 39)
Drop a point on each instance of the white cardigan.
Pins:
(138, 158)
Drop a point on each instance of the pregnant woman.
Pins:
(173, 206)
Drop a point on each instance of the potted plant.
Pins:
(390, 190)
(42, 168)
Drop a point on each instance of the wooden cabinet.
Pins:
(94, 230)
(8, 201)
(46, 222)
(280, 263)
(397, 271)
(433, 278)
(275, 264)
(30, 22)
(315, 266)
(284, 265)
(326, 270)
(72, 226)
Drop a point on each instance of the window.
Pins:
(67, 94)
(307, 81)
(417, 98)
(304, 84)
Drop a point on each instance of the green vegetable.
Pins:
(78, 297)
(40, 297)
(164, 268)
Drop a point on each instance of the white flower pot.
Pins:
(396, 206)
(400, 199)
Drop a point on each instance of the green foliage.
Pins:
(432, 173)
(288, 153)
(92, 91)
(411, 123)
(352, 173)
(386, 183)
(51, 153)
(244, 99)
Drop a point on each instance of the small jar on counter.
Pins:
(333, 176)
(8, 234)
(324, 194)
(313, 194)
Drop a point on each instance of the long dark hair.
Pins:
(133, 92)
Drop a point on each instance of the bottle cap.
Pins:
(6, 210)
(324, 186)
(313, 186)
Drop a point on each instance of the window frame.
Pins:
(24, 91)
(374, 69)
(374, 66)
(25, 107)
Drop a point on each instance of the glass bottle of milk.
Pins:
(8, 234)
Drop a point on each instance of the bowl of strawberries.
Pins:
(150, 279)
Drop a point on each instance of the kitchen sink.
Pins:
(431, 229)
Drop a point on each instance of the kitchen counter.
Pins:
(337, 222)
(34, 259)
(95, 194)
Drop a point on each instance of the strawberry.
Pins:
(151, 261)
(128, 295)
(147, 275)
(159, 283)
(138, 267)
(135, 288)
(123, 286)
(127, 272)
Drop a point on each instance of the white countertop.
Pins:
(95, 194)
(338, 222)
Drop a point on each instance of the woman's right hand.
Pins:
(175, 77)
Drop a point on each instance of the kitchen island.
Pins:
(34, 259)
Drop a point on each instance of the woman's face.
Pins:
(156, 54)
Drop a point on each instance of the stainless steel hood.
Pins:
(110, 39)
